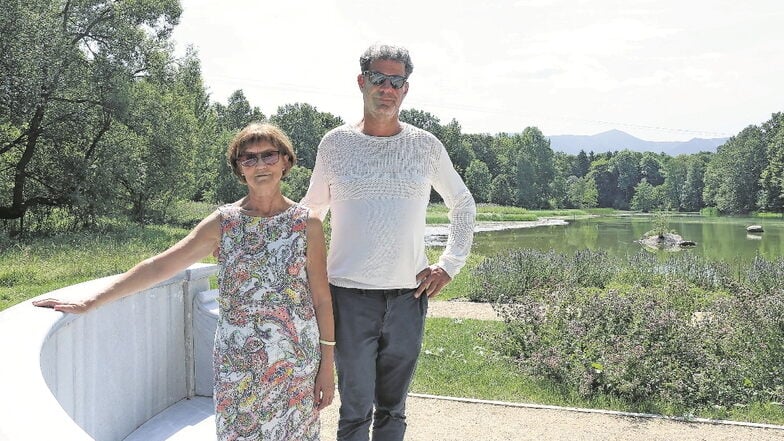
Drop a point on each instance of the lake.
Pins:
(722, 238)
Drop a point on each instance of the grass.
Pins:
(35, 266)
(458, 359)
(459, 286)
(437, 213)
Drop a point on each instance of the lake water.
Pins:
(716, 237)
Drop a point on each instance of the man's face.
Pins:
(383, 100)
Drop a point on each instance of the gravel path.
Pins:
(439, 419)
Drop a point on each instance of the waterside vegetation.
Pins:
(678, 335)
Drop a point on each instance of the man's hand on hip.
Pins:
(432, 280)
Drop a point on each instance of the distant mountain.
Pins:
(616, 140)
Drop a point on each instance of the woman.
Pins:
(273, 355)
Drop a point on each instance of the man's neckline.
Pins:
(359, 128)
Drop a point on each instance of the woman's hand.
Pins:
(324, 391)
(74, 307)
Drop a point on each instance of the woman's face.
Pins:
(262, 164)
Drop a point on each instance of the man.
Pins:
(375, 176)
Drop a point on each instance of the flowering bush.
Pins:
(680, 330)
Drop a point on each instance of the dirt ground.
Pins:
(438, 419)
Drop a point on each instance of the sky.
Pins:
(661, 70)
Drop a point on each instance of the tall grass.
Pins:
(684, 330)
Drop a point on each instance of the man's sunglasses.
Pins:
(251, 159)
(377, 79)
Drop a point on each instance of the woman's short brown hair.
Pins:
(254, 133)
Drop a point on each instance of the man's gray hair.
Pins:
(386, 52)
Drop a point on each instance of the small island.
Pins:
(665, 241)
(661, 238)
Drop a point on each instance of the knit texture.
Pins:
(378, 189)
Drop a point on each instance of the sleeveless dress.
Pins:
(267, 342)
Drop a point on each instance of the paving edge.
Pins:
(600, 411)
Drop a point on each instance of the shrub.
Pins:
(679, 330)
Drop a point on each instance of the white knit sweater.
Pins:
(378, 189)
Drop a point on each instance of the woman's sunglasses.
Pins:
(251, 159)
(377, 79)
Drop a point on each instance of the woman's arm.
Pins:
(322, 302)
(198, 244)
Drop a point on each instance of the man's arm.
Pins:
(462, 214)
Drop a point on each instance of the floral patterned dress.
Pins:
(266, 346)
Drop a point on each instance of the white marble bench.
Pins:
(104, 374)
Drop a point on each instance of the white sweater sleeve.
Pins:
(462, 214)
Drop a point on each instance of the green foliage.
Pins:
(188, 214)
(458, 360)
(423, 120)
(305, 126)
(156, 136)
(581, 192)
(478, 181)
(30, 266)
(771, 181)
(460, 152)
(502, 190)
(664, 330)
(646, 197)
(625, 165)
(237, 113)
(709, 212)
(296, 182)
(67, 69)
(535, 168)
(661, 223)
(732, 188)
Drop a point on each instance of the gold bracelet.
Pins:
(327, 342)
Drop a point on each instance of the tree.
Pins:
(645, 198)
(582, 164)
(674, 170)
(625, 165)
(650, 169)
(606, 182)
(423, 120)
(535, 168)
(459, 151)
(693, 184)
(65, 72)
(502, 190)
(772, 176)
(479, 181)
(482, 148)
(732, 178)
(156, 136)
(581, 192)
(237, 113)
(305, 126)
(296, 182)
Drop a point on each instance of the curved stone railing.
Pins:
(103, 374)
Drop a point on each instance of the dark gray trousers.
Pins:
(379, 336)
